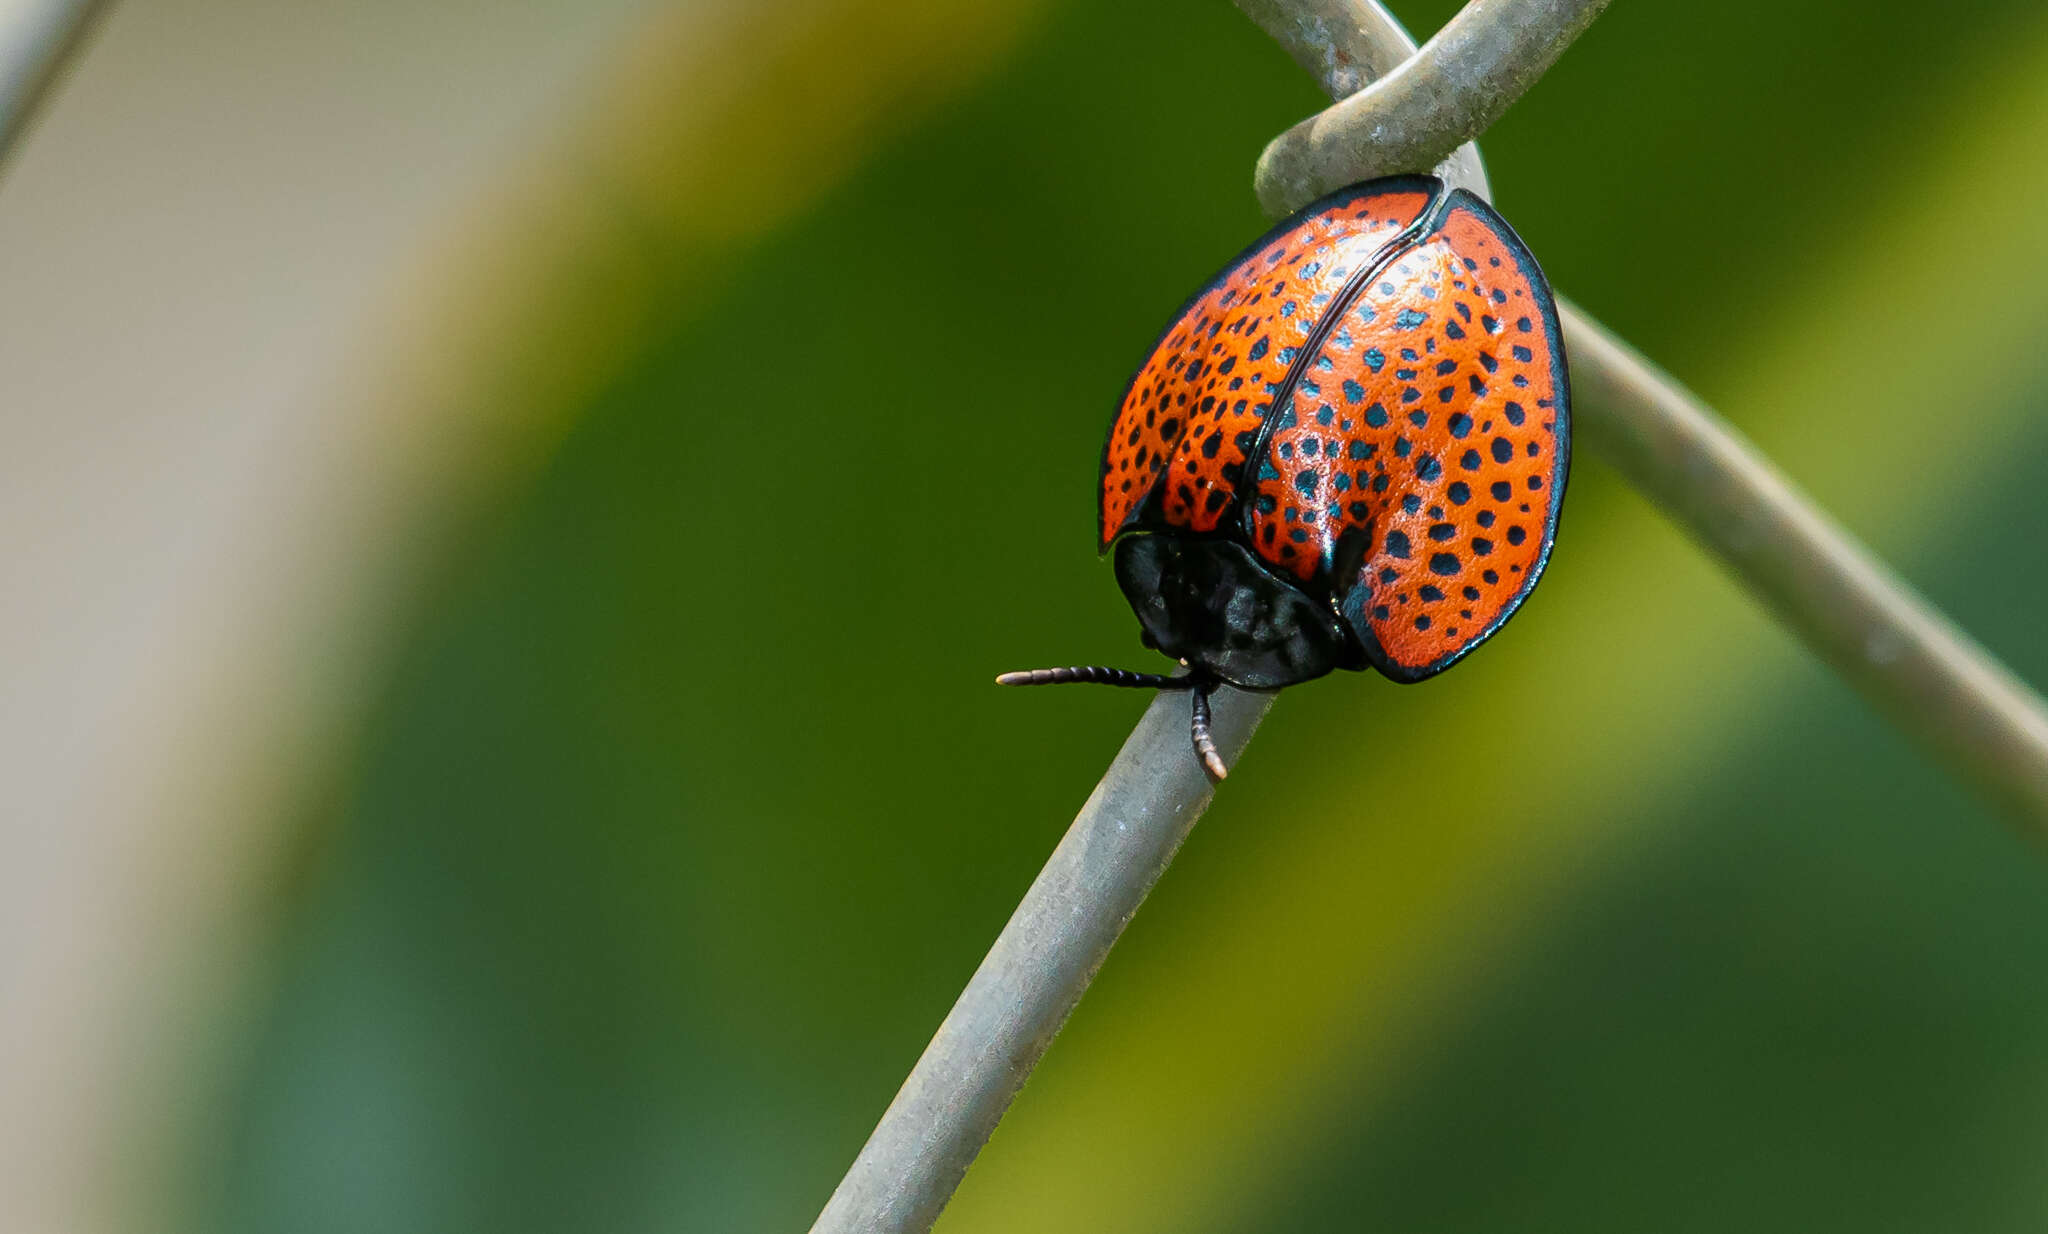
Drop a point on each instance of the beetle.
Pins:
(1347, 450)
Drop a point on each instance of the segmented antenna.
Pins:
(1093, 675)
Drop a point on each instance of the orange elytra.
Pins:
(1347, 450)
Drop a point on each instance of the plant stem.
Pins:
(36, 41)
(1040, 965)
(1430, 104)
(1913, 664)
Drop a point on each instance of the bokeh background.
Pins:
(510, 510)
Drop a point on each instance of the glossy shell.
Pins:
(1371, 400)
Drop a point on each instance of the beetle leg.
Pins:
(1198, 728)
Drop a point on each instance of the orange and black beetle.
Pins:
(1347, 450)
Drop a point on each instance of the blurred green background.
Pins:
(685, 806)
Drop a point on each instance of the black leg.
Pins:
(1198, 728)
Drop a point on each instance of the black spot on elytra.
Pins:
(1397, 544)
(1502, 490)
(1516, 535)
(1444, 563)
(1459, 492)
(1443, 532)
(1503, 450)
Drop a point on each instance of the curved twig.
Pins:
(35, 44)
(1916, 667)
(1436, 100)
(1040, 965)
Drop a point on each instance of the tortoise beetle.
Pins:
(1348, 450)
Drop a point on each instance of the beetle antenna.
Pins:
(1198, 728)
(1094, 675)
